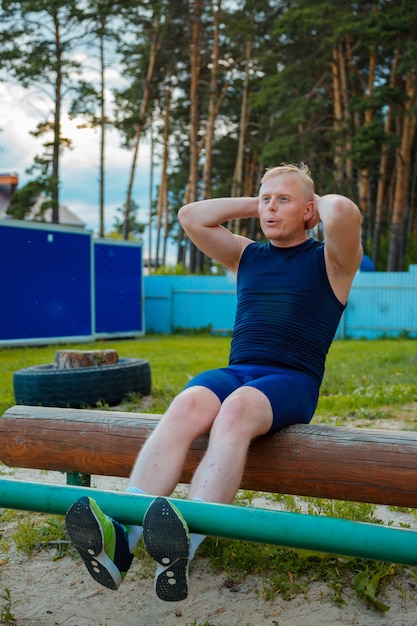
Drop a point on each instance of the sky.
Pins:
(20, 112)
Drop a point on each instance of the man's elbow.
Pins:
(347, 210)
(184, 215)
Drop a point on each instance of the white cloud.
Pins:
(21, 110)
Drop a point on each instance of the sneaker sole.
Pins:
(85, 533)
(166, 539)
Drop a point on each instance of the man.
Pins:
(291, 294)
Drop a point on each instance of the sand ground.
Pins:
(48, 592)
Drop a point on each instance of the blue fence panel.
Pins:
(118, 288)
(158, 304)
(46, 283)
(175, 303)
(212, 306)
(58, 284)
(380, 304)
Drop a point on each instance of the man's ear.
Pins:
(311, 216)
(309, 210)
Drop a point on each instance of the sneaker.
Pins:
(167, 539)
(101, 541)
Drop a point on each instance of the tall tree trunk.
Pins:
(382, 187)
(214, 104)
(364, 183)
(162, 208)
(102, 128)
(195, 60)
(237, 183)
(337, 113)
(57, 124)
(341, 67)
(213, 109)
(402, 177)
(345, 69)
(150, 215)
(155, 47)
(243, 125)
(413, 200)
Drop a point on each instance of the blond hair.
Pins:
(302, 172)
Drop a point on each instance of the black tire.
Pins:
(45, 385)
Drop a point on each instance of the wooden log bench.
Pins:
(356, 464)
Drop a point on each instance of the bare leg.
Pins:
(244, 415)
(160, 463)
(106, 546)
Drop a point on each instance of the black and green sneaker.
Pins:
(167, 539)
(100, 540)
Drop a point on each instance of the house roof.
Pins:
(65, 216)
(8, 184)
(9, 179)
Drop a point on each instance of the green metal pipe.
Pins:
(295, 530)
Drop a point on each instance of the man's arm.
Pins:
(341, 220)
(202, 221)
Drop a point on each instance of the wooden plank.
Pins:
(355, 464)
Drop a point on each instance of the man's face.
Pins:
(284, 209)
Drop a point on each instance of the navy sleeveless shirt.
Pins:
(287, 314)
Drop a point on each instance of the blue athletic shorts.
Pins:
(292, 394)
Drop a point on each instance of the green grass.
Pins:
(365, 382)
(174, 360)
(362, 377)
(369, 379)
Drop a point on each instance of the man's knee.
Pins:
(192, 411)
(195, 400)
(246, 412)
